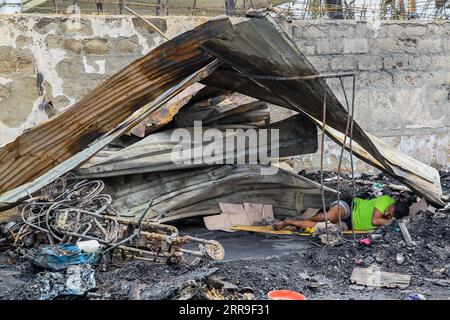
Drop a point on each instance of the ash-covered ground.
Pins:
(324, 271)
(317, 271)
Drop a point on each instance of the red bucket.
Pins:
(285, 295)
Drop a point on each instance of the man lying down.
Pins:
(367, 214)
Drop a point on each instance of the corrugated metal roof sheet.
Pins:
(197, 192)
(297, 135)
(254, 47)
(13, 196)
(50, 143)
(261, 47)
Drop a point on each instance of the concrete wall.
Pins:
(403, 71)
(403, 81)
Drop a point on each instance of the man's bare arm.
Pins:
(378, 219)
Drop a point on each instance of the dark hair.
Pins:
(401, 210)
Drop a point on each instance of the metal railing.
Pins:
(369, 9)
(294, 9)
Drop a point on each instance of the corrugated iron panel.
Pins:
(232, 109)
(43, 147)
(197, 192)
(297, 135)
(7, 199)
(165, 114)
(261, 47)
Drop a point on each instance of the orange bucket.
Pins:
(285, 295)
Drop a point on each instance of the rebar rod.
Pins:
(342, 152)
(146, 21)
(308, 77)
(322, 191)
(351, 157)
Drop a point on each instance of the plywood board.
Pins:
(375, 278)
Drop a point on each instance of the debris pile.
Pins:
(427, 257)
(172, 282)
(123, 133)
(79, 213)
(366, 186)
(325, 271)
(76, 281)
(317, 271)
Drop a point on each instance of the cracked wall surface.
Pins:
(402, 70)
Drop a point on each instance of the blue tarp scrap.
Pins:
(59, 257)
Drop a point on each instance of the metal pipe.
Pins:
(146, 21)
(342, 152)
(351, 157)
(194, 7)
(309, 77)
(322, 192)
(166, 8)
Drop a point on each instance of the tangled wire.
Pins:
(69, 213)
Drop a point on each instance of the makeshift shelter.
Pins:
(255, 58)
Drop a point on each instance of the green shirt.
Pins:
(363, 211)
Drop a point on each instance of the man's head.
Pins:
(397, 210)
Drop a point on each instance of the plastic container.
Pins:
(89, 246)
(285, 295)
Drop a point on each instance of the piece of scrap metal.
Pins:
(257, 53)
(297, 135)
(49, 144)
(15, 195)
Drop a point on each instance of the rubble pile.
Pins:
(76, 281)
(138, 281)
(317, 271)
(324, 271)
(445, 181)
(429, 256)
(84, 238)
(366, 185)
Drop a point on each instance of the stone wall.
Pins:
(403, 71)
(402, 81)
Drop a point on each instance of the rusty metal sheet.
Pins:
(234, 109)
(165, 114)
(48, 144)
(7, 199)
(197, 192)
(261, 47)
(420, 178)
(297, 135)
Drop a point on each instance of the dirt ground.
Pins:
(317, 271)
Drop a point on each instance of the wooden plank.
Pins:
(405, 233)
(375, 278)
